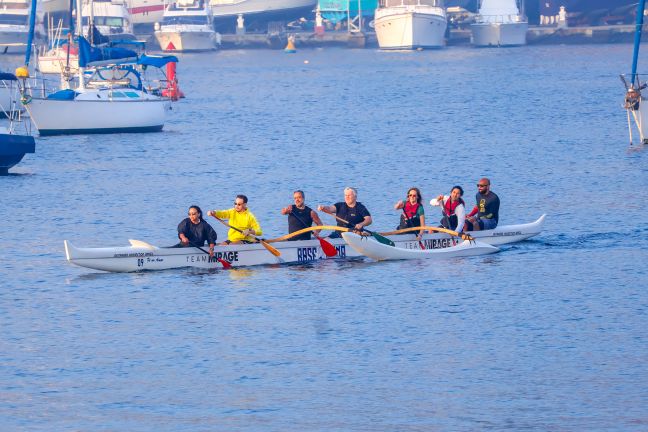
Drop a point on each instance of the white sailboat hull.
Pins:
(499, 34)
(141, 256)
(55, 117)
(186, 39)
(399, 28)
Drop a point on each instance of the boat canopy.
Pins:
(89, 54)
(156, 61)
(338, 10)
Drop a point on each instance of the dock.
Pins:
(536, 35)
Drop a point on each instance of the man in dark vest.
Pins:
(300, 216)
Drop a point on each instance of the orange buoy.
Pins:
(172, 91)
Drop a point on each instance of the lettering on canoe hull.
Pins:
(432, 244)
(509, 233)
(133, 255)
(231, 256)
(307, 254)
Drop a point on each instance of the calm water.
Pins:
(547, 335)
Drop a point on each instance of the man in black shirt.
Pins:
(195, 231)
(350, 210)
(485, 214)
(300, 216)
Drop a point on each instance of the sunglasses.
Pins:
(193, 214)
(482, 185)
(238, 204)
(416, 195)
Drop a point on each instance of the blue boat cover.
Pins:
(156, 61)
(66, 94)
(89, 53)
(7, 76)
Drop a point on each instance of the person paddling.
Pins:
(350, 210)
(241, 218)
(453, 209)
(485, 214)
(195, 231)
(300, 216)
(413, 214)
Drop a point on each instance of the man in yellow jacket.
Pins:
(239, 217)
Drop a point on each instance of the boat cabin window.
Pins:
(131, 94)
(197, 20)
(105, 21)
(11, 19)
(117, 94)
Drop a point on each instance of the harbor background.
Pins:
(547, 335)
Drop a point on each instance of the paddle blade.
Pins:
(421, 245)
(226, 265)
(328, 248)
(272, 250)
(382, 239)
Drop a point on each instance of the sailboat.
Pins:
(636, 112)
(112, 99)
(499, 23)
(14, 145)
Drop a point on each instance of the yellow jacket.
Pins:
(241, 220)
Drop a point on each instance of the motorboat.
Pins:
(499, 23)
(144, 13)
(410, 24)
(141, 255)
(14, 26)
(257, 13)
(110, 18)
(186, 26)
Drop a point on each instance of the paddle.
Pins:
(411, 224)
(430, 228)
(265, 244)
(328, 248)
(381, 239)
(309, 229)
(226, 265)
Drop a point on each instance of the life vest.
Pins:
(410, 218)
(449, 207)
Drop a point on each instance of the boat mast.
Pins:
(79, 29)
(637, 41)
(30, 36)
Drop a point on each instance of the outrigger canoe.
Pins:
(144, 256)
(368, 246)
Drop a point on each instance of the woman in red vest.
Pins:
(453, 209)
(413, 213)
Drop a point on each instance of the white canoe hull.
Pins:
(56, 117)
(499, 34)
(370, 247)
(142, 256)
(402, 29)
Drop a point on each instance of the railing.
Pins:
(397, 3)
(499, 19)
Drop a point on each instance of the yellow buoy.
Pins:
(22, 72)
(290, 47)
